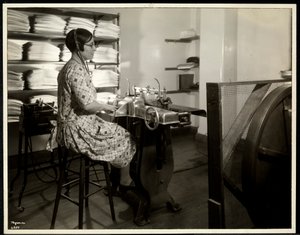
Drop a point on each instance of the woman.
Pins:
(79, 128)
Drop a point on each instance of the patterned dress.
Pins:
(84, 132)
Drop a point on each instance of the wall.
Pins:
(241, 45)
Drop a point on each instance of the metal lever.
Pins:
(159, 95)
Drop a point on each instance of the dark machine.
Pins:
(266, 166)
(149, 117)
(256, 169)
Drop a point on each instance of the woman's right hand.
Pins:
(111, 108)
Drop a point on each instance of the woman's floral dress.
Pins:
(84, 132)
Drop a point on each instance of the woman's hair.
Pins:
(76, 38)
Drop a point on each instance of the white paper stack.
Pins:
(105, 55)
(187, 66)
(17, 21)
(107, 29)
(15, 81)
(42, 79)
(187, 34)
(77, 22)
(105, 78)
(43, 51)
(14, 49)
(49, 24)
(14, 110)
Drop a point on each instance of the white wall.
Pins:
(242, 45)
(144, 52)
(264, 43)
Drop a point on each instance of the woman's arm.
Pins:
(96, 107)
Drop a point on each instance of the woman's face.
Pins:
(89, 49)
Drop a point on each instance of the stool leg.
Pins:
(25, 172)
(59, 186)
(109, 189)
(19, 163)
(81, 192)
(87, 180)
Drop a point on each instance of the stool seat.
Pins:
(83, 180)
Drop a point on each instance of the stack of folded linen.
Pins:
(77, 22)
(41, 79)
(107, 29)
(105, 78)
(49, 24)
(14, 110)
(65, 53)
(105, 97)
(14, 80)
(15, 49)
(105, 55)
(17, 21)
(42, 51)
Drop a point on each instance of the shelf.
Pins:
(184, 40)
(57, 39)
(33, 62)
(77, 12)
(175, 68)
(53, 37)
(183, 91)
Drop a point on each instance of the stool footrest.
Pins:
(70, 199)
(96, 191)
(70, 182)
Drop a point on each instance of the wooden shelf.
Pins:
(53, 37)
(33, 62)
(183, 91)
(175, 68)
(57, 39)
(78, 12)
(184, 40)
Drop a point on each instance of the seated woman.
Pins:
(79, 128)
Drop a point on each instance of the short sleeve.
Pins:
(81, 87)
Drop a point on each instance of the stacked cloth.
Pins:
(107, 29)
(42, 51)
(17, 21)
(50, 24)
(105, 97)
(41, 79)
(14, 49)
(77, 22)
(15, 80)
(65, 53)
(14, 110)
(105, 55)
(105, 78)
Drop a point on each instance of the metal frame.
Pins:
(219, 149)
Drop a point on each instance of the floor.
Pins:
(188, 187)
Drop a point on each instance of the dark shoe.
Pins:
(125, 188)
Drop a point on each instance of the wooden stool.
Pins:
(84, 182)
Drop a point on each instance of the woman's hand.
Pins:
(96, 107)
(111, 108)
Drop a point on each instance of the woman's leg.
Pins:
(125, 176)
